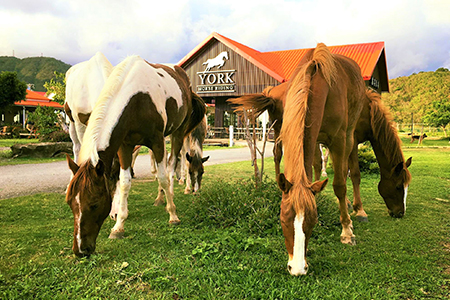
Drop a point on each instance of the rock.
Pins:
(42, 150)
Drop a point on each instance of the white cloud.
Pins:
(417, 33)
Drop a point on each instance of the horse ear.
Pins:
(408, 162)
(100, 168)
(188, 157)
(318, 186)
(204, 159)
(72, 165)
(283, 183)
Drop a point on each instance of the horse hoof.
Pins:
(362, 219)
(174, 222)
(350, 240)
(180, 182)
(187, 192)
(117, 235)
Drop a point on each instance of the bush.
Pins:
(255, 211)
(367, 160)
(58, 136)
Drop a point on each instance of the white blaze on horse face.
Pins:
(298, 265)
(404, 197)
(78, 237)
(196, 186)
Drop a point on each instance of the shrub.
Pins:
(255, 211)
(367, 160)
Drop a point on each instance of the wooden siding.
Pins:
(248, 78)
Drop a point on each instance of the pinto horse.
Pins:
(192, 159)
(140, 104)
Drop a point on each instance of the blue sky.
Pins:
(416, 32)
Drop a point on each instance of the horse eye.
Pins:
(94, 207)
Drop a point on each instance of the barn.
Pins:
(221, 68)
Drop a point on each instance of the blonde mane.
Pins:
(102, 122)
(293, 129)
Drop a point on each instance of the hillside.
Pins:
(416, 93)
(35, 70)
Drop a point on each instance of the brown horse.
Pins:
(140, 104)
(323, 104)
(374, 125)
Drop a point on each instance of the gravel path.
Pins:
(28, 179)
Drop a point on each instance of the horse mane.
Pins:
(197, 113)
(293, 129)
(98, 121)
(82, 178)
(384, 132)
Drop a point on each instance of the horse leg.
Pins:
(164, 178)
(340, 166)
(324, 155)
(115, 203)
(76, 142)
(355, 176)
(277, 155)
(184, 164)
(317, 164)
(125, 157)
(153, 169)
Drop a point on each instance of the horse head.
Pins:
(394, 188)
(89, 197)
(297, 221)
(196, 169)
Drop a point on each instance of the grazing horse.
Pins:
(84, 82)
(192, 158)
(217, 61)
(374, 125)
(140, 104)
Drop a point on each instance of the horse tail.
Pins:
(197, 114)
(293, 129)
(256, 103)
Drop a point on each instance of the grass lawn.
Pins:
(230, 245)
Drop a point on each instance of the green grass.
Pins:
(230, 245)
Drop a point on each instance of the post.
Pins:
(231, 136)
(24, 115)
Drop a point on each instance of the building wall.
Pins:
(247, 77)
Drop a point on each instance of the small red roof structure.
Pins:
(281, 64)
(35, 99)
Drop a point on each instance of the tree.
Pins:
(57, 86)
(438, 114)
(11, 89)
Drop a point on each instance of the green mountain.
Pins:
(34, 70)
(416, 95)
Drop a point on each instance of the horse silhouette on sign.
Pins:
(217, 61)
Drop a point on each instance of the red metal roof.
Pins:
(281, 64)
(35, 99)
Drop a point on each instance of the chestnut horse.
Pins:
(140, 104)
(374, 125)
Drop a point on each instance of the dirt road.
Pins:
(21, 180)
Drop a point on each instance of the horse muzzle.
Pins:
(398, 214)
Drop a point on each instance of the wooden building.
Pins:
(220, 68)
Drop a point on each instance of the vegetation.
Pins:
(230, 245)
(424, 96)
(46, 121)
(57, 87)
(33, 70)
(11, 89)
